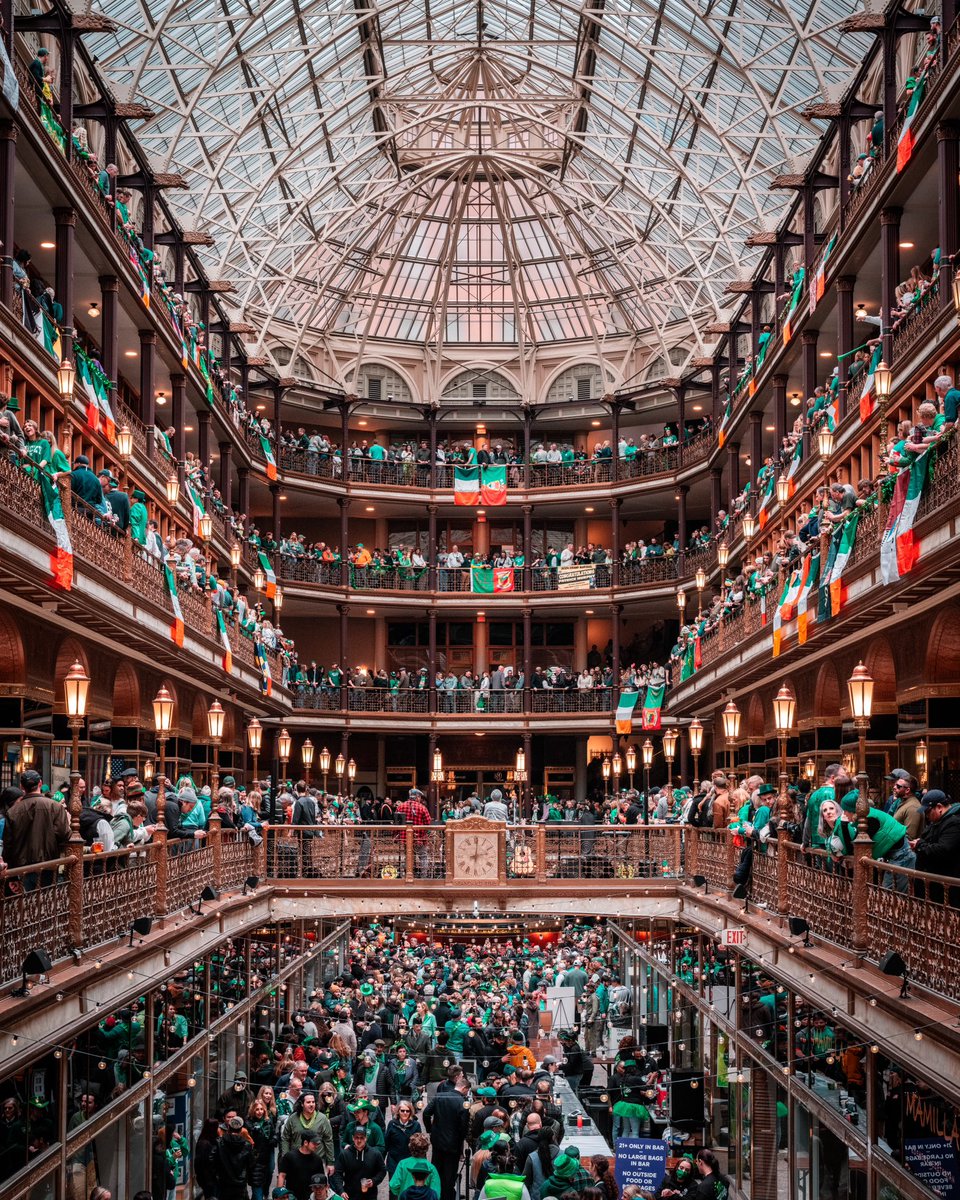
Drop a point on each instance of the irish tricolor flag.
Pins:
(493, 485)
(794, 466)
(487, 580)
(225, 642)
(625, 708)
(722, 429)
(848, 535)
(61, 560)
(900, 549)
(798, 277)
(868, 397)
(766, 501)
(905, 142)
(176, 628)
(266, 677)
(466, 485)
(804, 607)
(268, 455)
(784, 610)
(819, 282)
(271, 588)
(650, 713)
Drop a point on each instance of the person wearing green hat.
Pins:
(402, 1176)
(889, 838)
(567, 1176)
(420, 1189)
(360, 1118)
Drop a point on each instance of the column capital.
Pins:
(809, 337)
(846, 283)
(65, 216)
(148, 337)
(616, 609)
(682, 489)
(177, 379)
(780, 381)
(274, 489)
(343, 609)
(109, 283)
(8, 130)
(226, 448)
(431, 614)
(716, 473)
(948, 131)
(242, 470)
(755, 417)
(433, 509)
(733, 449)
(891, 216)
(527, 508)
(615, 502)
(204, 416)
(343, 502)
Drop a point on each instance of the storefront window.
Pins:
(824, 1165)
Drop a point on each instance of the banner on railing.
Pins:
(625, 709)
(266, 678)
(572, 578)
(794, 466)
(466, 485)
(798, 278)
(268, 455)
(61, 560)
(833, 593)
(480, 485)
(271, 588)
(176, 629)
(766, 500)
(652, 704)
(906, 140)
(96, 387)
(47, 334)
(819, 281)
(486, 581)
(196, 505)
(722, 427)
(900, 548)
(225, 641)
(868, 397)
(810, 586)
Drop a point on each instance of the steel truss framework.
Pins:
(460, 172)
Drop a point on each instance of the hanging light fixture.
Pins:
(259, 579)
(731, 722)
(723, 554)
(696, 736)
(860, 692)
(647, 751)
(172, 488)
(749, 525)
(236, 553)
(124, 442)
(284, 743)
(784, 707)
(306, 754)
(163, 712)
(825, 443)
(883, 381)
(783, 489)
(66, 378)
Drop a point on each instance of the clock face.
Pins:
(475, 856)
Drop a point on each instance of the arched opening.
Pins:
(943, 649)
(126, 696)
(827, 696)
(12, 659)
(880, 663)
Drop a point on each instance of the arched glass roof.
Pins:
(460, 172)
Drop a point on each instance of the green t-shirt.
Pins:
(814, 800)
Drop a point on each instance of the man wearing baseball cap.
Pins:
(297, 1169)
(938, 847)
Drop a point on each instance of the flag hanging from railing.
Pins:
(266, 678)
(625, 708)
(900, 548)
(493, 485)
(819, 282)
(804, 606)
(268, 455)
(766, 501)
(794, 466)
(486, 581)
(61, 560)
(271, 588)
(798, 278)
(225, 640)
(466, 485)
(176, 629)
(868, 397)
(652, 704)
(906, 140)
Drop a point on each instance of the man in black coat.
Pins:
(447, 1119)
(233, 1162)
(938, 847)
(84, 483)
(361, 1168)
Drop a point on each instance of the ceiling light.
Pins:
(595, 424)
(588, 611)
(94, 309)
(261, 407)
(795, 399)
(282, 498)
(589, 508)
(769, 428)
(188, 429)
(698, 408)
(48, 245)
(370, 508)
(371, 612)
(825, 354)
(362, 424)
(906, 245)
(129, 354)
(161, 399)
(746, 458)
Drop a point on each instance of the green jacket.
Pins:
(504, 1187)
(814, 800)
(887, 833)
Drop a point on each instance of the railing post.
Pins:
(783, 877)
(692, 834)
(731, 859)
(215, 841)
(862, 864)
(540, 848)
(159, 843)
(75, 892)
(260, 852)
(128, 557)
(408, 853)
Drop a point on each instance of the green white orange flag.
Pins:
(625, 709)
(766, 501)
(266, 676)
(271, 588)
(804, 606)
(466, 485)
(225, 642)
(868, 397)
(845, 543)
(794, 466)
(61, 560)
(784, 609)
(798, 279)
(176, 628)
(487, 580)
(652, 704)
(900, 548)
(819, 281)
(268, 455)
(493, 485)
(906, 141)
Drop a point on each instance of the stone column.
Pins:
(8, 170)
(178, 405)
(65, 220)
(948, 169)
(889, 271)
(148, 395)
(780, 423)
(110, 333)
(845, 286)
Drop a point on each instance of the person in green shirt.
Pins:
(928, 431)
(456, 1030)
(139, 517)
(811, 835)
(889, 838)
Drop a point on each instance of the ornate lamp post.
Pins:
(701, 581)
(616, 767)
(26, 753)
(254, 742)
(76, 685)
(631, 757)
(696, 746)
(731, 731)
(783, 490)
(682, 604)
(647, 751)
(306, 757)
(236, 553)
(605, 770)
(172, 489)
(124, 447)
(215, 718)
(325, 766)
(520, 778)
(784, 709)
(436, 777)
(723, 555)
(883, 382)
(810, 770)
(162, 723)
(66, 378)
(205, 525)
(670, 739)
(339, 767)
(860, 693)
(351, 776)
(284, 744)
(749, 525)
(921, 750)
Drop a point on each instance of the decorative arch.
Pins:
(563, 385)
(395, 383)
(199, 719)
(827, 697)
(943, 648)
(500, 384)
(13, 663)
(126, 695)
(882, 666)
(754, 726)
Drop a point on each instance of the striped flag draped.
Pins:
(900, 549)
(906, 141)
(625, 707)
(652, 704)
(809, 589)
(271, 588)
(176, 629)
(225, 641)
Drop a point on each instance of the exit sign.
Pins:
(734, 937)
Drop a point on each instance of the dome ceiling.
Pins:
(459, 173)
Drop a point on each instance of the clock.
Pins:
(476, 857)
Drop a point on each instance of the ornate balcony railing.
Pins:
(463, 702)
